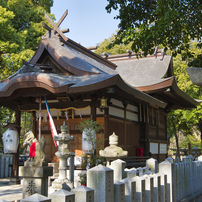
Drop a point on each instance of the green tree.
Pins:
(21, 31)
(94, 138)
(186, 121)
(116, 49)
(177, 123)
(149, 23)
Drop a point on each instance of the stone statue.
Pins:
(37, 156)
(28, 140)
(35, 171)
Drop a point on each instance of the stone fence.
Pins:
(5, 168)
(168, 181)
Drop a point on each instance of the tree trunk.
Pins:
(177, 145)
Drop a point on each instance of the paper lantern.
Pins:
(10, 140)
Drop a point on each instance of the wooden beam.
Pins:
(57, 105)
(16, 155)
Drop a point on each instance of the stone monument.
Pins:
(113, 152)
(36, 171)
(63, 154)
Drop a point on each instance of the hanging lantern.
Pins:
(11, 140)
(103, 103)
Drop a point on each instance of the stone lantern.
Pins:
(63, 154)
(113, 152)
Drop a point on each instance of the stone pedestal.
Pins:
(35, 179)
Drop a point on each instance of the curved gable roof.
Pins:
(72, 58)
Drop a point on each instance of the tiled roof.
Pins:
(79, 60)
(144, 71)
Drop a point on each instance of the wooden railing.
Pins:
(136, 161)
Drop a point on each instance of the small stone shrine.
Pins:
(63, 154)
(113, 152)
(36, 171)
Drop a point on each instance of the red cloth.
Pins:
(32, 149)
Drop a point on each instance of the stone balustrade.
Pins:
(168, 181)
(5, 168)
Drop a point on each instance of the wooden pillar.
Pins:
(93, 112)
(16, 155)
(106, 127)
(157, 134)
(147, 142)
(34, 129)
(125, 133)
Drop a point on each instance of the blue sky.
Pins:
(88, 21)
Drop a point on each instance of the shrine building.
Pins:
(125, 95)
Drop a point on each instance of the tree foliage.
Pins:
(116, 49)
(148, 23)
(94, 138)
(92, 129)
(186, 121)
(21, 31)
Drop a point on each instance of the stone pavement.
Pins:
(10, 192)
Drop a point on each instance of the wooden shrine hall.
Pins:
(138, 93)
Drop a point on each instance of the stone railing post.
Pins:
(167, 168)
(62, 195)
(36, 198)
(163, 182)
(149, 188)
(84, 194)
(118, 166)
(1, 166)
(140, 188)
(119, 191)
(71, 167)
(131, 173)
(152, 164)
(130, 190)
(157, 187)
(189, 175)
(100, 178)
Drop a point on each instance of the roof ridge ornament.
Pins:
(29, 67)
(55, 29)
